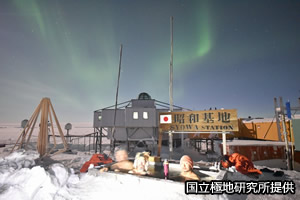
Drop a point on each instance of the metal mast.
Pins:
(171, 87)
(171, 68)
(115, 114)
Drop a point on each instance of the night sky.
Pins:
(227, 54)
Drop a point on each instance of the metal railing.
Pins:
(202, 145)
(77, 142)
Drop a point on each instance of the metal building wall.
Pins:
(296, 131)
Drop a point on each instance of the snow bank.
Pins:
(20, 178)
(19, 159)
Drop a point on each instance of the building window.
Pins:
(145, 115)
(135, 115)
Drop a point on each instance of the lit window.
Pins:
(99, 117)
(145, 115)
(135, 115)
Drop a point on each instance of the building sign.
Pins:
(196, 121)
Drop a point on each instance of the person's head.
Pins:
(121, 155)
(141, 161)
(225, 164)
(226, 157)
(225, 161)
(186, 163)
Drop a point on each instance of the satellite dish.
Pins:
(24, 123)
(68, 126)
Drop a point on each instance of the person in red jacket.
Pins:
(242, 164)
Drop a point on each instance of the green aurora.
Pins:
(69, 51)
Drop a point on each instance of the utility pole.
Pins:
(287, 149)
(277, 119)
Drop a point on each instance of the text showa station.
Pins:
(200, 121)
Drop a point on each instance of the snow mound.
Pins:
(59, 173)
(19, 159)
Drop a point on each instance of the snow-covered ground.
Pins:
(24, 176)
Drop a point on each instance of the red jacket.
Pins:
(242, 164)
(96, 159)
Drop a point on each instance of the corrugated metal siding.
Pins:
(296, 131)
(252, 130)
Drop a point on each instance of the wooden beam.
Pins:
(59, 130)
(45, 108)
(160, 134)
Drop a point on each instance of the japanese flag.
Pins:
(165, 119)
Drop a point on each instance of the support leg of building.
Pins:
(224, 143)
